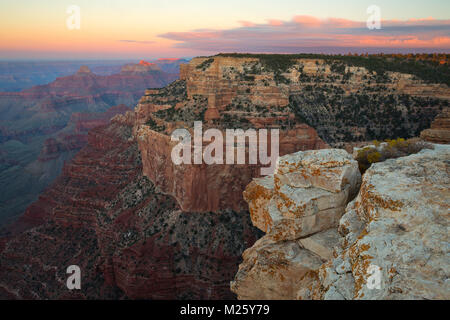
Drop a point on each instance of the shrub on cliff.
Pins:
(205, 64)
(390, 149)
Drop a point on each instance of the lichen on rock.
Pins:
(299, 208)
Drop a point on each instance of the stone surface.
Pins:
(308, 193)
(399, 222)
(328, 169)
(299, 208)
(321, 243)
(274, 270)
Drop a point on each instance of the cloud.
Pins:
(306, 33)
(136, 41)
(247, 23)
(275, 22)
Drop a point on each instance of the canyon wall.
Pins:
(211, 92)
(129, 239)
(40, 131)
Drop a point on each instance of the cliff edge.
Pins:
(390, 243)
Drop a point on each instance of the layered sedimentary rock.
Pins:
(129, 239)
(299, 208)
(343, 101)
(141, 227)
(440, 129)
(141, 67)
(216, 93)
(395, 233)
(74, 136)
(39, 128)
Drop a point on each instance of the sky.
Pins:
(138, 29)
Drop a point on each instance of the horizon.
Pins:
(134, 30)
(137, 60)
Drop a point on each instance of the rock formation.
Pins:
(142, 227)
(84, 70)
(391, 242)
(440, 129)
(397, 228)
(211, 92)
(129, 239)
(141, 67)
(39, 130)
(299, 208)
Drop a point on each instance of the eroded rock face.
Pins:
(308, 193)
(275, 270)
(440, 129)
(129, 239)
(299, 208)
(398, 223)
(62, 112)
(215, 92)
(397, 228)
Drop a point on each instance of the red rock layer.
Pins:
(204, 188)
(129, 239)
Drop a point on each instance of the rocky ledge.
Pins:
(399, 226)
(299, 208)
(390, 243)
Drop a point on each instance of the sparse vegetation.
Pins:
(433, 68)
(391, 149)
(205, 64)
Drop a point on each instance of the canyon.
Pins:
(142, 227)
(49, 119)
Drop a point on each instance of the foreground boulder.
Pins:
(391, 243)
(395, 243)
(307, 194)
(299, 208)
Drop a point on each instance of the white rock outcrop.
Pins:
(396, 233)
(391, 243)
(299, 208)
(308, 193)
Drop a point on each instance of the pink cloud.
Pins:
(423, 19)
(309, 21)
(311, 34)
(275, 22)
(247, 23)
